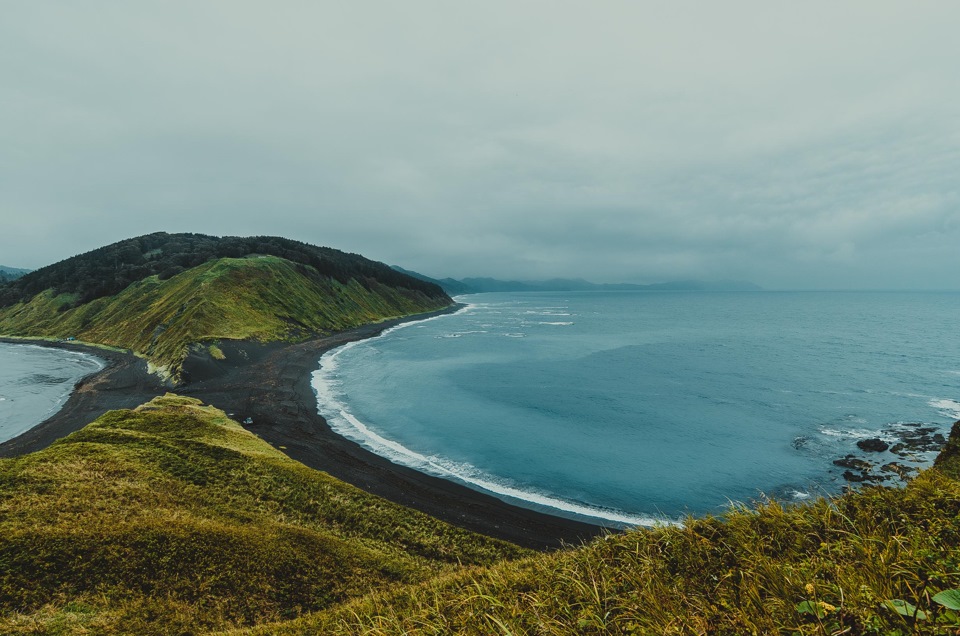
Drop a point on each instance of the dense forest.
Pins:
(109, 270)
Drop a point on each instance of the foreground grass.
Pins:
(171, 519)
(851, 565)
(264, 298)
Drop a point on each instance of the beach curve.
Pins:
(267, 387)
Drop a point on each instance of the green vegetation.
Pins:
(848, 566)
(171, 518)
(108, 270)
(257, 297)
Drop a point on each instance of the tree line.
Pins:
(110, 269)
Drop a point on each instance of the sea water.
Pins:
(629, 407)
(35, 382)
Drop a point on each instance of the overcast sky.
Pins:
(795, 145)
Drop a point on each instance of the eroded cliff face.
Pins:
(948, 461)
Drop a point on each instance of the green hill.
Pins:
(257, 296)
(171, 518)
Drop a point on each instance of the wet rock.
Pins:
(850, 461)
(873, 445)
(863, 477)
(922, 439)
(901, 471)
(851, 476)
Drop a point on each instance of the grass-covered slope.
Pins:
(110, 269)
(860, 564)
(172, 519)
(261, 297)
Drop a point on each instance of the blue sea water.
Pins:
(636, 406)
(35, 382)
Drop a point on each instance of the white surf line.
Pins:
(352, 428)
(462, 472)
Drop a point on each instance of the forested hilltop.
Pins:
(111, 269)
(164, 296)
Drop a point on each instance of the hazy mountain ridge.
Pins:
(8, 274)
(485, 284)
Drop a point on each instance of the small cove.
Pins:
(35, 382)
(630, 407)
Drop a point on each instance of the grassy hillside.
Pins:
(261, 297)
(110, 269)
(866, 563)
(172, 519)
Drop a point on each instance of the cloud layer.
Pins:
(794, 145)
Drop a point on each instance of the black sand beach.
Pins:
(271, 385)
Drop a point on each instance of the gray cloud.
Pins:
(793, 145)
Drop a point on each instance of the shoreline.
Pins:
(271, 386)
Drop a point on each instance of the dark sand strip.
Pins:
(271, 385)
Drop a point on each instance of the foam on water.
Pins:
(856, 433)
(352, 428)
(949, 408)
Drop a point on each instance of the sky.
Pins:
(811, 145)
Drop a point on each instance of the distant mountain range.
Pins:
(481, 285)
(11, 273)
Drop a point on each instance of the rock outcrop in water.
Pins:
(912, 441)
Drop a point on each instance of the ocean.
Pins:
(642, 407)
(35, 382)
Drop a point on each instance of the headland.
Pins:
(267, 387)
